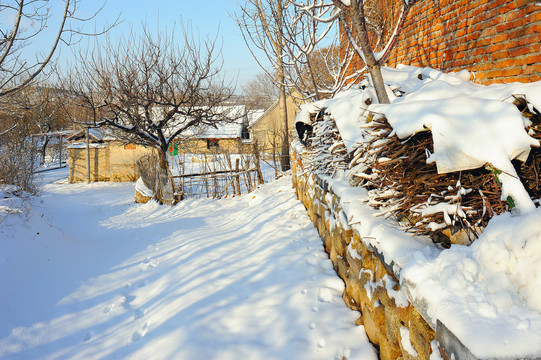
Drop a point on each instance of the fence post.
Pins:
(87, 136)
(60, 137)
(237, 176)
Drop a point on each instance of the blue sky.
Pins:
(207, 16)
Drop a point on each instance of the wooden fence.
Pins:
(216, 184)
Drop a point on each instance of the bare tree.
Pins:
(365, 24)
(260, 93)
(25, 23)
(295, 42)
(152, 90)
(31, 18)
(312, 58)
(262, 25)
(17, 156)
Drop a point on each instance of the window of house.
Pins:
(212, 143)
(129, 147)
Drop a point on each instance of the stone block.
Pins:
(371, 326)
(313, 216)
(405, 354)
(347, 234)
(353, 288)
(332, 254)
(338, 242)
(355, 264)
(350, 302)
(321, 208)
(327, 244)
(318, 191)
(403, 314)
(328, 223)
(380, 294)
(368, 262)
(392, 326)
(342, 268)
(421, 334)
(380, 271)
(387, 350)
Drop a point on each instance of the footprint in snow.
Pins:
(139, 313)
(89, 335)
(126, 301)
(108, 308)
(149, 263)
(139, 334)
(324, 295)
(143, 283)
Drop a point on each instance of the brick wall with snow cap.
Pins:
(496, 40)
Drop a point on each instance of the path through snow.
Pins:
(88, 274)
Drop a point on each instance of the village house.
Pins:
(267, 131)
(224, 137)
(110, 158)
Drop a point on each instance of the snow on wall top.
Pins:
(471, 125)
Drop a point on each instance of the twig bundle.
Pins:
(450, 208)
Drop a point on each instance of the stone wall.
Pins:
(392, 324)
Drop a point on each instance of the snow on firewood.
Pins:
(440, 130)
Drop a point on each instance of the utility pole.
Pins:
(87, 136)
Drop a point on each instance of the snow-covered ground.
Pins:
(85, 273)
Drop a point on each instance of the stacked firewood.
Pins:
(328, 152)
(452, 207)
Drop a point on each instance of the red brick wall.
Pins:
(497, 40)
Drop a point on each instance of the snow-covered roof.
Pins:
(82, 145)
(95, 134)
(254, 115)
(222, 130)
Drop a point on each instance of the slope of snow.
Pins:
(89, 274)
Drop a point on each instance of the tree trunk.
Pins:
(378, 83)
(284, 158)
(164, 189)
(356, 14)
(284, 153)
